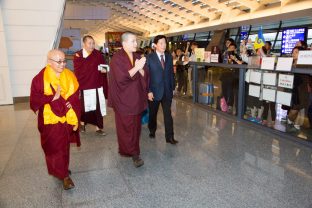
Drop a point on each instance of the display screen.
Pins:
(290, 37)
(244, 35)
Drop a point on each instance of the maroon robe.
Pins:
(128, 98)
(89, 77)
(55, 138)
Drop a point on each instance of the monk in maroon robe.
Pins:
(55, 99)
(91, 79)
(128, 96)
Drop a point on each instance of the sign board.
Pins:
(255, 77)
(207, 56)
(290, 37)
(269, 79)
(214, 58)
(199, 54)
(284, 63)
(305, 57)
(254, 90)
(286, 80)
(283, 98)
(244, 35)
(268, 94)
(268, 63)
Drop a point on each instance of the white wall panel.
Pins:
(21, 90)
(1, 21)
(23, 77)
(5, 84)
(30, 29)
(28, 48)
(51, 5)
(3, 51)
(30, 18)
(29, 33)
(20, 63)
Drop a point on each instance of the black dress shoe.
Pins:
(152, 135)
(172, 141)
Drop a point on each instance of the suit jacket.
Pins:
(161, 81)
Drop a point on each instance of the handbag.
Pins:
(145, 117)
(224, 106)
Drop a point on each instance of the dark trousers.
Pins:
(310, 115)
(267, 106)
(152, 123)
(228, 92)
(182, 80)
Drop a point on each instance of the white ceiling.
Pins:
(151, 17)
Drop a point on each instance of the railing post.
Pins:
(194, 83)
(241, 93)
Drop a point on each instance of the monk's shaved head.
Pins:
(56, 60)
(55, 54)
(129, 43)
(125, 36)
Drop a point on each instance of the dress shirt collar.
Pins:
(159, 54)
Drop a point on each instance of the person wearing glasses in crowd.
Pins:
(54, 98)
(93, 85)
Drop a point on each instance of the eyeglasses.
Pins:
(59, 62)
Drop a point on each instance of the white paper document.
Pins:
(286, 80)
(284, 63)
(305, 57)
(268, 94)
(268, 63)
(102, 101)
(255, 77)
(269, 79)
(254, 90)
(214, 58)
(89, 98)
(247, 76)
(283, 98)
(207, 55)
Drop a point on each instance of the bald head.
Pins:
(129, 42)
(55, 54)
(56, 59)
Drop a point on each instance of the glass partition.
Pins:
(277, 100)
(281, 100)
(216, 87)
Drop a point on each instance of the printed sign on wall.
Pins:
(283, 98)
(254, 90)
(305, 57)
(286, 80)
(268, 63)
(284, 64)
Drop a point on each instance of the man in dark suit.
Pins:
(161, 87)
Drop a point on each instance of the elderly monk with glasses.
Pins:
(55, 99)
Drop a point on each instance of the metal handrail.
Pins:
(298, 69)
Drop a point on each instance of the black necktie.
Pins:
(162, 61)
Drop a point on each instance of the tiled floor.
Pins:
(218, 163)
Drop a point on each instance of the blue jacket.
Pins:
(161, 82)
